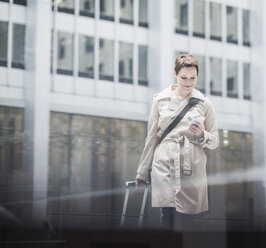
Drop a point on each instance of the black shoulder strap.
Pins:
(191, 103)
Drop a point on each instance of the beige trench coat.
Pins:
(179, 152)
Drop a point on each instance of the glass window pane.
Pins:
(59, 176)
(246, 78)
(87, 8)
(3, 43)
(216, 76)
(64, 53)
(230, 198)
(143, 65)
(201, 77)
(11, 153)
(199, 18)
(231, 24)
(92, 155)
(66, 6)
(143, 13)
(126, 11)
(107, 10)
(246, 28)
(21, 2)
(181, 16)
(106, 61)
(125, 62)
(216, 21)
(232, 79)
(52, 50)
(18, 46)
(86, 56)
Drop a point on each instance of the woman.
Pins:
(178, 176)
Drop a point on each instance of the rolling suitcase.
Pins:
(130, 185)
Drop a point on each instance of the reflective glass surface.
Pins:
(231, 24)
(232, 78)
(125, 62)
(181, 16)
(106, 60)
(65, 53)
(107, 10)
(87, 8)
(143, 65)
(86, 56)
(18, 46)
(199, 18)
(126, 11)
(3, 43)
(215, 21)
(216, 76)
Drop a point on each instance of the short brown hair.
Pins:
(186, 60)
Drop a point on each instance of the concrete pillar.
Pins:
(258, 77)
(37, 83)
(161, 38)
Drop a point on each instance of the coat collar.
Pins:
(167, 93)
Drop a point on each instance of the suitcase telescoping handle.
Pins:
(132, 184)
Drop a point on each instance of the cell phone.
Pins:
(195, 124)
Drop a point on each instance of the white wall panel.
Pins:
(63, 83)
(4, 11)
(16, 77)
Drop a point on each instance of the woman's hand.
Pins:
(140, 182)
(196, 128)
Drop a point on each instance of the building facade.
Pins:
(77, 80)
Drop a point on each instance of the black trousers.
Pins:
(169, 215)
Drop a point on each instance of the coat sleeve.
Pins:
(211, 136)
(151, 142)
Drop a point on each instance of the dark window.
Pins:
(18, 46)
(3, 43)
(21, 2)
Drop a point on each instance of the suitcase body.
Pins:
(132, 185)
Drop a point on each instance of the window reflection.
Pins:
(199, 18)
(11, 153)
(231, 24)
(215, 21)
(232, 79)
(18, 46)
(3, 43)
(246, 28)
(126, 11)
(181, 15)
(107, 10)
(246, 78)
(216, 76)
(106, 61)
(125, 62)
(232, 196)
(201, 77)
(86, 8)
(21, 2)
(86, 56)
(64, 53)
(92, 155)
(143, 13)
(66, 6)
(143, 65)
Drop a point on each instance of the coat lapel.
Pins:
(174, 106)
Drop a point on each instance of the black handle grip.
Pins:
(132, 184)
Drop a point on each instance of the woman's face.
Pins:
(186, 79)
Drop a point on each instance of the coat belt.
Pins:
(186, 168)
(177, 169)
